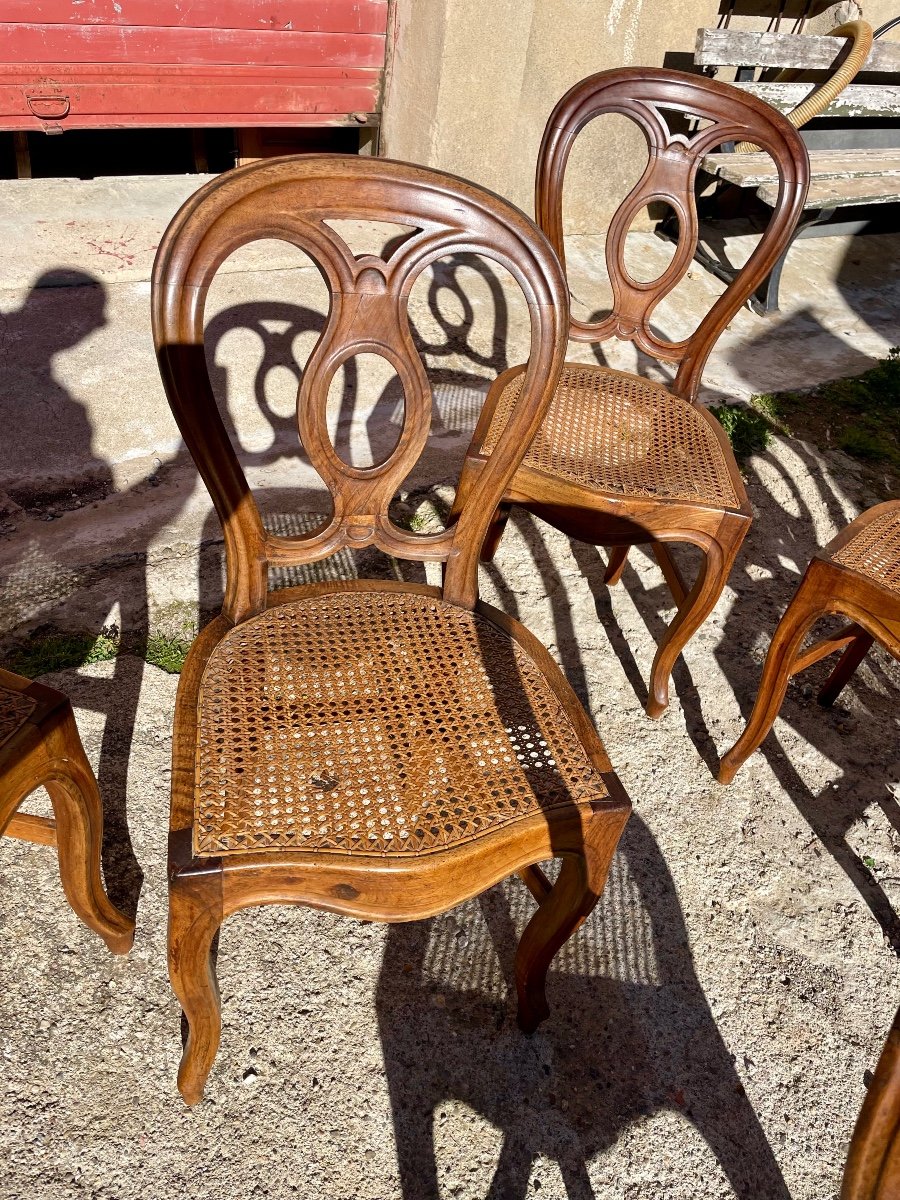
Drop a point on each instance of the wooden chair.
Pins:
(621, 460)
(872, 1171)
(380, 749)
(39, 745)
(857, 575)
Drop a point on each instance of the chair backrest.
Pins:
(644, 94)
(293, 199)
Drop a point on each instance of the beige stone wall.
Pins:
(471, 83)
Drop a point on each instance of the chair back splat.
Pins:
(293, 199)
(644, 95)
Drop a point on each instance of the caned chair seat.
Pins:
(377, 723)
(15, 709)
(875, 550)
(614, 432)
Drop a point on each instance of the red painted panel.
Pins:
(321, 16)
(147, 44)
(112, 63)
(101, 96)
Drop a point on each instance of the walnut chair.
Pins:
(620, 460)
(858, 575)
(40, 746)
(380, 749)
(872, 1171)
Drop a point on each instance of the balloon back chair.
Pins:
(374, 748)
(40, 747)
(621, 460)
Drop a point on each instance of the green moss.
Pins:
(747, 430)
(167, 653)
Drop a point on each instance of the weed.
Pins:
(747, 430)
(47, 652)
(166, 652)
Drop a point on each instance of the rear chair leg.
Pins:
(618, 556)
(844, 669)
(495, 532)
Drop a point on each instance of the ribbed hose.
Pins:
(861, 33)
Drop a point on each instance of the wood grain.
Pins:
(294, 199)
(590, 501)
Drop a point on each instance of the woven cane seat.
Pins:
(614, 432)
(376, 723)
(15, 709)
(875, 550)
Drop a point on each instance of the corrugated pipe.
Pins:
(861, 34)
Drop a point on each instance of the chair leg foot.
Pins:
(799, 617)
(194, 920)
(78, 811)
(561, 913)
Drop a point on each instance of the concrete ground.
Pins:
(713, 1022)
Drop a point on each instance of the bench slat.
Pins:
(751, 170)
(838, 193)
(743, 48)
(857, 100)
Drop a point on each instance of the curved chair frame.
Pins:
(618, 519)
(40, 746)
(827, 587)
(292, 199)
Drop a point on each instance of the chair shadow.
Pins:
(52, 429)
(630, 1034)
(783, 532)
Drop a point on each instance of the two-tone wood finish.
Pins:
(612, 516)
(293, 199)
(40, 747)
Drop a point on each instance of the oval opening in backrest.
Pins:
(365, 411)
(261, 326)
(607, 161)
(651, 242)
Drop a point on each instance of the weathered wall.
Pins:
(471, 84)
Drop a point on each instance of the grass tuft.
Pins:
(166, 652)
(747, 430)
(48, 652)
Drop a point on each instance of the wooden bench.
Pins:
(854, 147)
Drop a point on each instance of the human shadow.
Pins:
(49, 440)
(630, 1033)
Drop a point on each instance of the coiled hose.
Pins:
(861, 34)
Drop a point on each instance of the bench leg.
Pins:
(765, 299)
